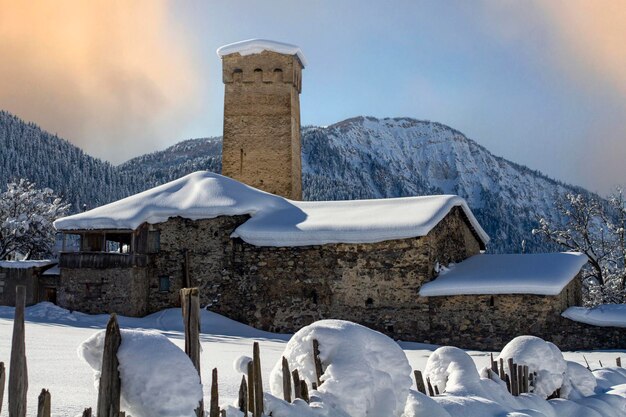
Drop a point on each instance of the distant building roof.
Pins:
(542, 274)
(275, 221)
(25, 264)
(256, 46)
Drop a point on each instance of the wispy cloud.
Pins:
(104, 74)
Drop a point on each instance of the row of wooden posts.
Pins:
(518, 378)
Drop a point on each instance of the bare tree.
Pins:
(596, 228)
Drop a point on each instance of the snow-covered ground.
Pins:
(54, 335)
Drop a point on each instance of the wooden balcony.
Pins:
(101, 260)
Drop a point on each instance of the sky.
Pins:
(542, 83)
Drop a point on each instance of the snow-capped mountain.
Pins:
(363, 157)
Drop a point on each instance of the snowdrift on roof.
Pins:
(541, 274)
(256, 46)
(200, 195)
(275, 220)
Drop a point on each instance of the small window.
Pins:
(154, 241)
(164, 284)
(492, 301)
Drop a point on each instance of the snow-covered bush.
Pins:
(365, 372)
(26, 216)
(542, 358)
(158, 378)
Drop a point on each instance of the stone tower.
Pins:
(262, 147)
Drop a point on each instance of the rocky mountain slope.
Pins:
(362, 157)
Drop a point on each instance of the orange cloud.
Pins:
(595, 33)
(103, 74)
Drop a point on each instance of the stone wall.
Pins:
(283, 289)
(120, 290)
(376, 284)
(262, 144)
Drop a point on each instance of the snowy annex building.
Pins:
(261, 256)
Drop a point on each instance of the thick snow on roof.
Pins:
(606, 315)
(256, 46)
(200, 195)
(353, 221)
(275, 220)
(25, 264)
(542, 274)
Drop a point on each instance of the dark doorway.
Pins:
(50, 294)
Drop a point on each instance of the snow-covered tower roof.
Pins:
(256, 46)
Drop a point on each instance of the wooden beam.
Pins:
(3, 377)
(43, 406)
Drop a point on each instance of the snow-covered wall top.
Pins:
(275, 221)
(256, 46)
(25, 264)
(541, 273)
(605, 315)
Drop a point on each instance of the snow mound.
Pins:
(540, 273)
(579, 383)
(256, 46)
(171, 389)
(450, 369)
(605, 315)
(542, 358)
(365, 372)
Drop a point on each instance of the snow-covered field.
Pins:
(54, 335)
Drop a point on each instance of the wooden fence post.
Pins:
(109, 390)
(190, 303)
(297, 387)
(317, 361)
(190, 306)
(18, 375)
(214, 405)
(618, 362)
(286, 381)
(43, 406)
(3, 377)
(258, 381)
(87, 412)
(243, 396)
(419, 381)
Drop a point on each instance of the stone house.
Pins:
(264, 258)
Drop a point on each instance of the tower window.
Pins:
(278, 75)
(258, 74)
(237, 74)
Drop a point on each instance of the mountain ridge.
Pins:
(359, 157)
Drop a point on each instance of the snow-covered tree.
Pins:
(26, 216)
(596, 228)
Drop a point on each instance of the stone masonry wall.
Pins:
(283, 289)
(90, 290)
(262, 145)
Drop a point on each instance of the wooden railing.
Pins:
(102, 260)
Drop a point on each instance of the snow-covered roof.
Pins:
(275, 221)
(256, 46)
(55, 270)
(541, 273)
(611, 315)
(25, 264)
